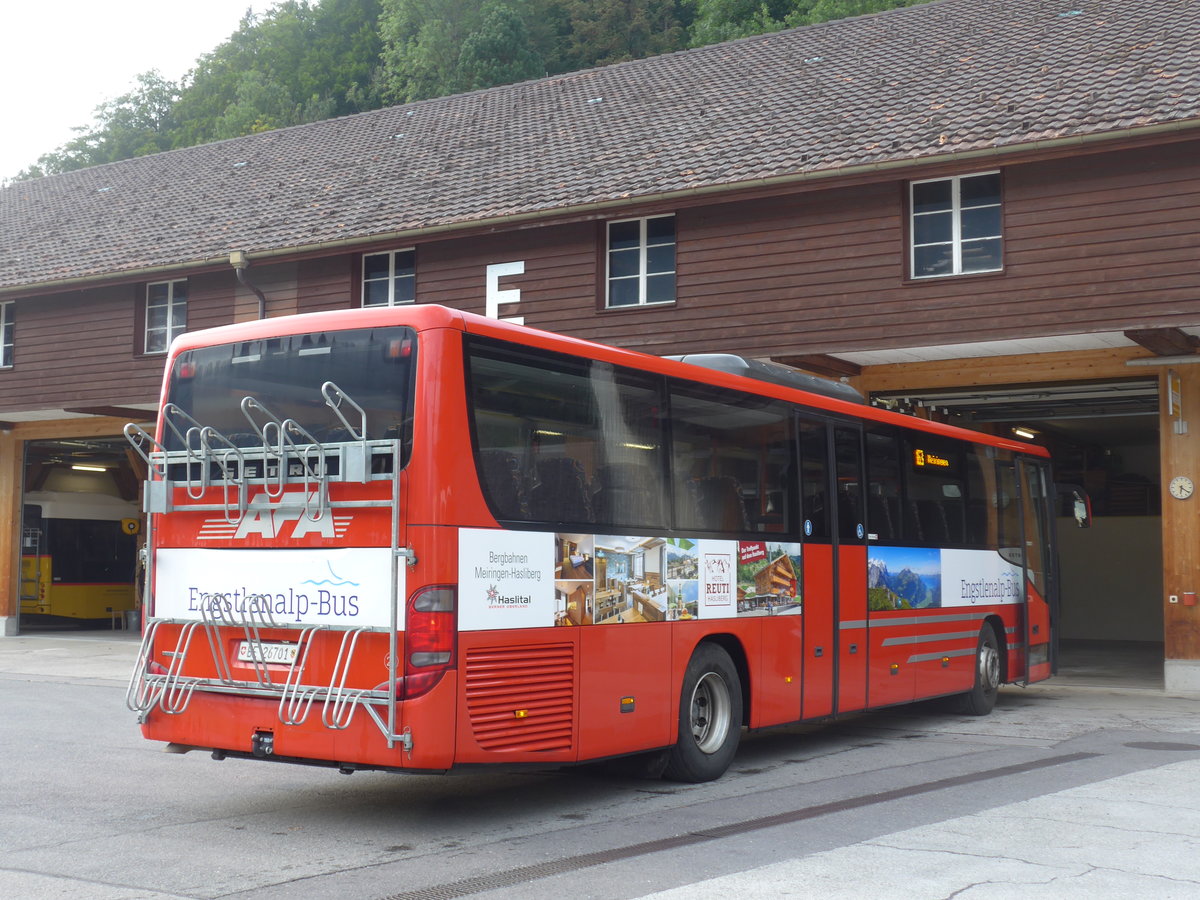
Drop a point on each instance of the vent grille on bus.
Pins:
(522, 698)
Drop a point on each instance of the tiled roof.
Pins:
(916, 83)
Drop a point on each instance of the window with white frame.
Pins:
(389, 278)
(956, 225)
(641, 261)
(7, 329)
(166, 314)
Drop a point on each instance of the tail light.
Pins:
(430, 631)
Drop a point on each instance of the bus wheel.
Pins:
(710, 717)
(980, 700)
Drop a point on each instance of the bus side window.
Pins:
(731, 459)
(883, 485)
(935, 508)
(566, 441)
(978, 512)
(814, 481)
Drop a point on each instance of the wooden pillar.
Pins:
(1180, 456)
(12, 456)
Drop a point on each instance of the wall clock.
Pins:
(1181, 487)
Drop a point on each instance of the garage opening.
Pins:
(1105, 437)
(81, 528)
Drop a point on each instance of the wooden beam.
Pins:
(820, 364)
(1165, 341)
(1180, 455)
(11, 465)
(117, 412)
(1074, 365)
(73, 428)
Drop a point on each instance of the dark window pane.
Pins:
(931, 196)
(933, 229)
(660, 289)
(981, 256)
(660, 259)
(980, 223)
(623, 292)
(660, 230)
(157, 293)
(623, 263)
(156, 317)
(883, 486)
(406, 263)
(377, 265)
(733, 460)
(935, 260)
(980, 189)
(622, 235)
(375, 293)
(814, 482)
(179, 290)
(567, 440)
(405, 290)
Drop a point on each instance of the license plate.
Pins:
(266, 652)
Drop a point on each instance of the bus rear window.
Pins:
(373, 366)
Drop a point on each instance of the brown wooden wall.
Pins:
(1099, 242)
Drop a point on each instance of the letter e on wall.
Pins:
(495, 296)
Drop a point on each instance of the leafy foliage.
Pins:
(306, 60)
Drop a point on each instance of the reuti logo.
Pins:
(272, 518)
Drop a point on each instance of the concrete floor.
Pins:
(1136, 664)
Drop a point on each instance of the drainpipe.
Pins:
(240, 262)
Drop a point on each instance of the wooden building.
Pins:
(983, 210)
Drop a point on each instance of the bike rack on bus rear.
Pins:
(286, 454)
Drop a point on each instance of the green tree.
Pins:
(720, 20)
(498, 51)
(422, 41)
(307, 61)
(609, 31)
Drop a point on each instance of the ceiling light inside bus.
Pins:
(84, 468)
(1021, 431)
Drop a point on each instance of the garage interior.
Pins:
(66, 477)
(1105, 437)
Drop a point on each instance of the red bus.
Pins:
(416, 539)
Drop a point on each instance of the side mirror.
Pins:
(1080, 503)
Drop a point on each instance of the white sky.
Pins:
(60, 59)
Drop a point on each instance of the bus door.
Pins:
(1041, 593)
(835, 567)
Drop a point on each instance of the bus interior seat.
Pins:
(933, 521)
(627, 493)
(505, 486)
(719, 505)
(879, 518)
(561, 492)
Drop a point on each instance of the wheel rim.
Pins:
(710, 712)
(989, 667)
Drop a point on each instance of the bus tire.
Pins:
(710, 717)
(980, 700)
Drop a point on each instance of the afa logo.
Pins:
(282, 517)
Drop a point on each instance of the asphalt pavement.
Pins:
(1114, 811)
